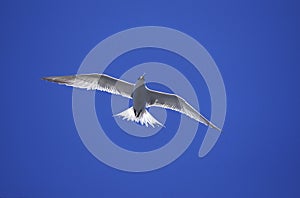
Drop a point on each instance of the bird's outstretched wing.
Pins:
(176, 103)
(100, 82)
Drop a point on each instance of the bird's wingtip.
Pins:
(47, 79)
(218, 129)
(214, 127)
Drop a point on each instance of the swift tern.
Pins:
(142, 97)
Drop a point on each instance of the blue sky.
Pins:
(256, 47)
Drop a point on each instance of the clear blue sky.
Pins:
(256, 47)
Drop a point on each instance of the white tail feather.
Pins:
(145, 117)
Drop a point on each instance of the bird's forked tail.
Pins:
(145, 117)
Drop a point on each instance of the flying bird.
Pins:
(142, 97)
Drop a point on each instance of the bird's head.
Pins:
(142, 78)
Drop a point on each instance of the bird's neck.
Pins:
(139, 84)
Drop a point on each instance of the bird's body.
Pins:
(139, 98)
(142, 97)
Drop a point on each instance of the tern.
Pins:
(142, 97)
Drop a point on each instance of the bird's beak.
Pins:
(142, 77)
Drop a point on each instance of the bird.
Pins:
(143, 97)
